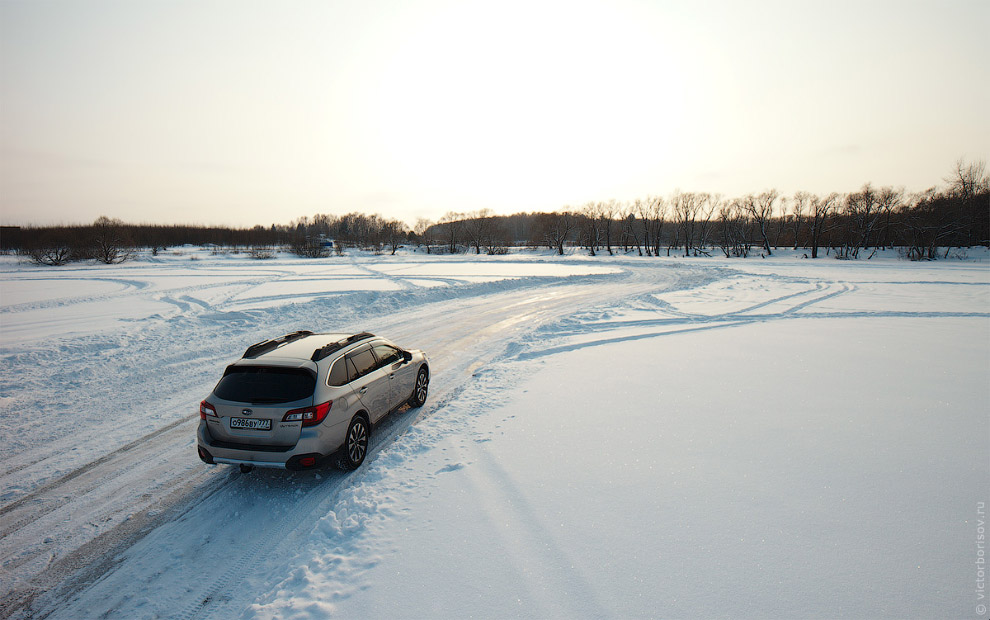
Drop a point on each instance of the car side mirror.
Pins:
(407, 356)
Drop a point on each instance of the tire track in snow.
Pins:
(402, 283)
(85, 565)
(129, 288)
(87, 497)
(479, 326)
(680, 322)
(52, 487)
(797, 308)
(526, 355)
(461, 332)
(530, 545)
(818, 287)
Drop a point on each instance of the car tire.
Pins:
(422, 388)
(356, 443)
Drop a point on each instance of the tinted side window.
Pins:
(263, 384)
(387, 355)
(352, 372)
(338, 373)
(364, 362)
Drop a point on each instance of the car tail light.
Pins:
(309, 416)
(206, 409)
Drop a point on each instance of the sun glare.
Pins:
(261, 112)
(561, 103)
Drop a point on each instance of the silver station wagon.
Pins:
(306, 399)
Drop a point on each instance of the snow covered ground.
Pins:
(617, 436)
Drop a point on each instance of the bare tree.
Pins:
(733, 239)
(781, 221)
(52, 247)
(321, 224)
(606, 215)
(373, 231)
(821, 209)
(309, 247)
(652, 212)
(710, 204)
(760, 208)
(477, 228)
(630, 227)
(557, 229)
(591, 226)
(424, 232)
(495, 238)
(393, 233)
(968, 180)
(109, 241)
(930, 223)
(862, 210)
(451, 225)
(685, 206)
(889, 201)
(967, 183)
(796, 215)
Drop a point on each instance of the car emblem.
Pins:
(246, 412)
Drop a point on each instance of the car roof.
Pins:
(302, 347)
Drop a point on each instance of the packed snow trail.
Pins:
(94, 512)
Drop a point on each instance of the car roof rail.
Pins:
(260, 348)
(333, 347)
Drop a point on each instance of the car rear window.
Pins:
(263, 384)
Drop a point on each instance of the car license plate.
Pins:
(251, 423)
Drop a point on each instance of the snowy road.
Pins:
(106, 512)
(64, 525)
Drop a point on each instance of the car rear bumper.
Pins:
(304, 455)
(267, 464)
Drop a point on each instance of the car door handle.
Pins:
(363, 390)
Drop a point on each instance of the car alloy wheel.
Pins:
(421, 390)
(356, 444)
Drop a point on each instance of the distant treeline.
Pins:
(113, 241)
(851, 225)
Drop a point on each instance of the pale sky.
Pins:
(240, 113)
